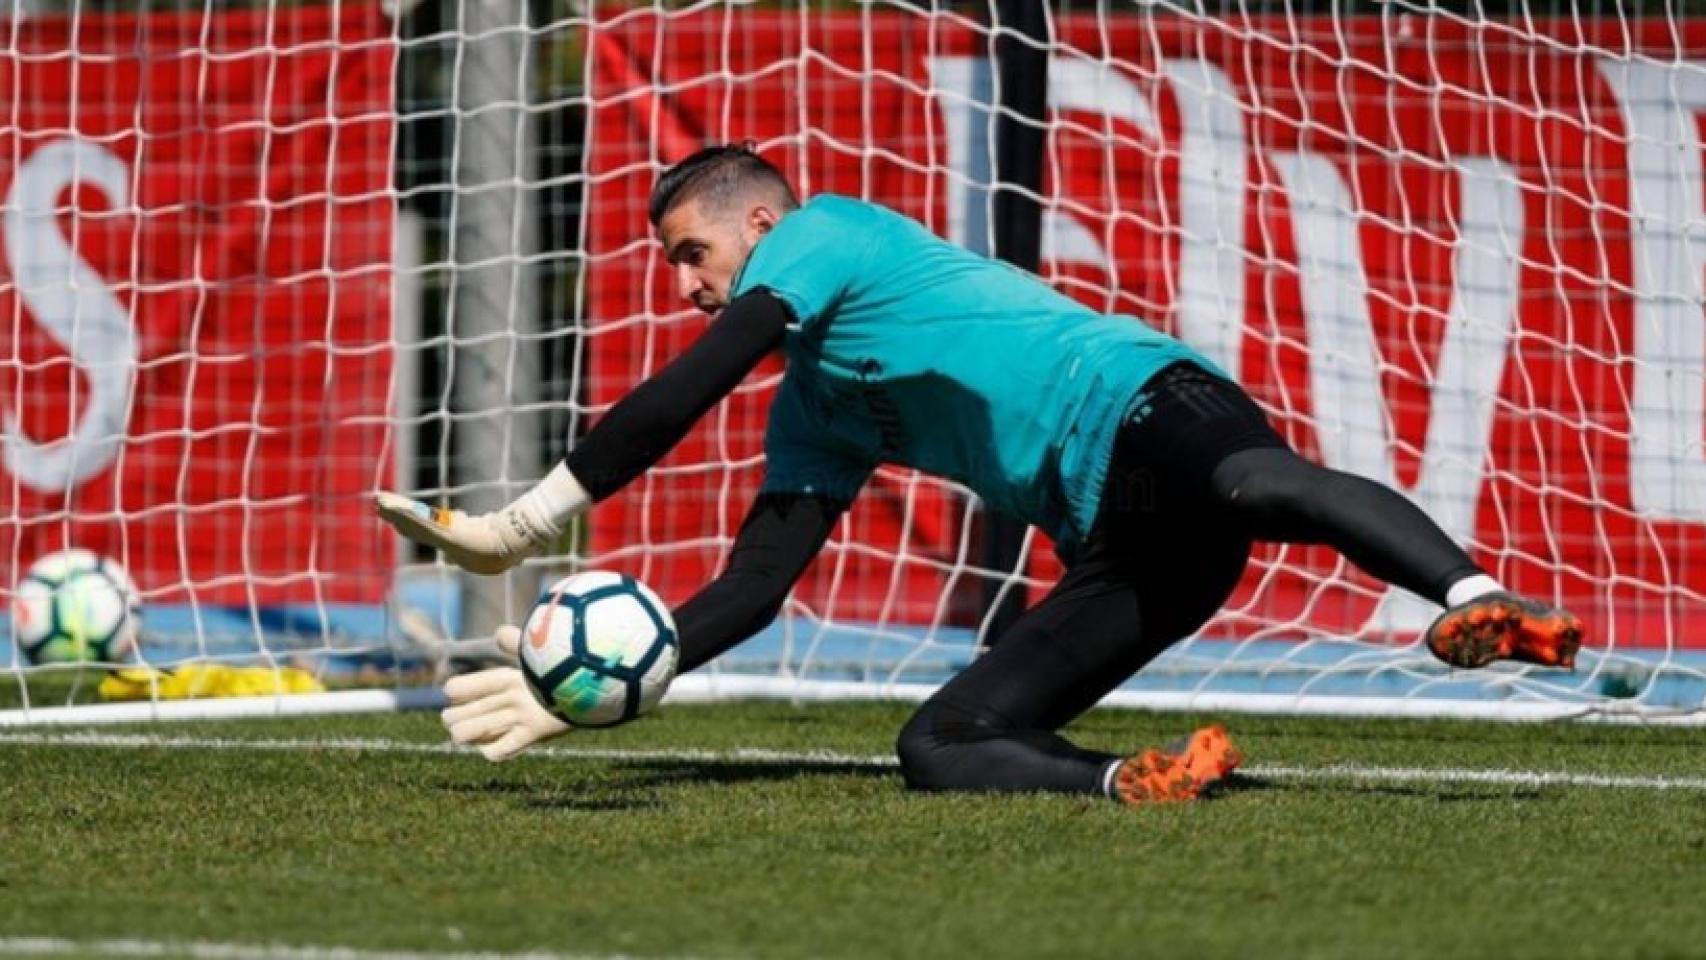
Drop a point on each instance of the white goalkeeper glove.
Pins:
(494, 710)
(491, 542)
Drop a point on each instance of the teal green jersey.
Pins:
(906, 349)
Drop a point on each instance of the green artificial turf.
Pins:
(759, 855)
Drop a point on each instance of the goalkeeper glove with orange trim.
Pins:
(491, 542)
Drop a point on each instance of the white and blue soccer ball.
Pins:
(75, 606)
(599, 649)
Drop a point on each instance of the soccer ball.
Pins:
(598, 649)
(75, 607)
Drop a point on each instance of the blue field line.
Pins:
(351, 636)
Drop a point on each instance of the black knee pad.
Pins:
(935, 739)
(914, 747)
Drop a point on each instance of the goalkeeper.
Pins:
(1152, 471)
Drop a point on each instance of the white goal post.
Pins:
(1463, 255)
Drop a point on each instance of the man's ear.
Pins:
(761, 219)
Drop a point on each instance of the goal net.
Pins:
(1462, 256)
(195, 329)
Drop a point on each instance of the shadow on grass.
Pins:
(663, 773)
(629, 786)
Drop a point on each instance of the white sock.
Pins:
(1471, 588)
(1108, 779)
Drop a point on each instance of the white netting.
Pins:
(1460, 255)
(195, 334)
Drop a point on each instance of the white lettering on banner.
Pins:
(1212, 180)
(966, 88)
(1661, 105)
(1344, 365)
(1213, 184)
(71, 302)
(968, 85)
(1084, 86)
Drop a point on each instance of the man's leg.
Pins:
(1208, 432)
(992, 727)
(1288, 499)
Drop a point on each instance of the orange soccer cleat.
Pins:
(1180, 772)
(1503, 626)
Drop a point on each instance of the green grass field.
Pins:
(673, 837)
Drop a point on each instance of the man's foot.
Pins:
(1503, 626)
(1179, 772)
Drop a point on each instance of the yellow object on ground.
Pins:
(195, 680)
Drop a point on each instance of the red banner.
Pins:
(1413, 239)
(195, 297)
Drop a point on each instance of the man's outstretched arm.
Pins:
(779, 537)
(637, 432)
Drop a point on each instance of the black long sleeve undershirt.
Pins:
(647, 423)
(780, 535)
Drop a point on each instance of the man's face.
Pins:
(707, 248)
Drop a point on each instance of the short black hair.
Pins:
(717, 175)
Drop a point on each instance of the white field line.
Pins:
(201, 950)
(1514, 778)
(829, 758)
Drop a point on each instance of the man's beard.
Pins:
(713, 304)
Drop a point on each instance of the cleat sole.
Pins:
(1502, 629)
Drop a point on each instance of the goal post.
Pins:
(1460, 255)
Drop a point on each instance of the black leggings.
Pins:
(1197, 475)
